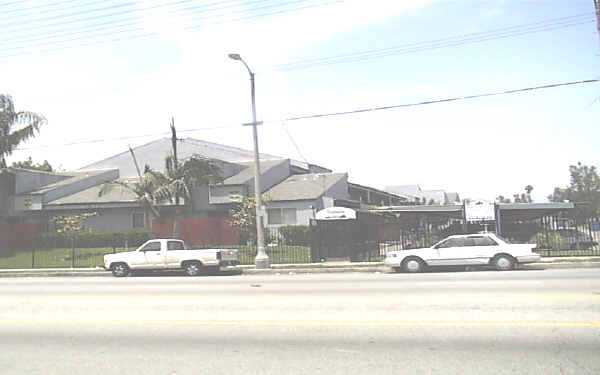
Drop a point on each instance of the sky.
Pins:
(109, 74)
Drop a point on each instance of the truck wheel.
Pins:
(120, 270)
(192, 268)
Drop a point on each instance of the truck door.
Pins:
(174, 254)
(153, 255)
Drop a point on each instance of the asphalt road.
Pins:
(545, 322)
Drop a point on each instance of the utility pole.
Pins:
(597, 6)
(176, 228)
(262, 259)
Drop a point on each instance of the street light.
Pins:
(262, 259)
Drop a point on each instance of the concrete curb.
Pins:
(276, 271)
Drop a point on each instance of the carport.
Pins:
(551, 225)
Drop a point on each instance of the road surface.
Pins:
(537, 321)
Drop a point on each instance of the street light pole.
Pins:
(262, 259)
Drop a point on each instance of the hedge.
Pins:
(131, 238)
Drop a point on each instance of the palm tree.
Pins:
(181, 178)
(143, 190)
(15, 127)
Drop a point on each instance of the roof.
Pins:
(304, 186)
(438, 196)
(363, 187)
(117, 193)
(432, 208)
(452, 197)
(154, 154)
(537, 206)
(412, 190)
(72, 177)
(247, 173)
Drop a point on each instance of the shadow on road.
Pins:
(180, 273)
(451, 269)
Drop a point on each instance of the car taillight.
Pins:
(218, 255)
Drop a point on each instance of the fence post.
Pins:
(33, 257)
(72, 252)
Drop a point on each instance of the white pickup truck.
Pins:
(164, 254)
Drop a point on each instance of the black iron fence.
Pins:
(369, 238)
(284, 245)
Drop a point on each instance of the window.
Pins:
(175, 245)
(452, 242)
(274, 216)
(282, 216)
(484, 241)
(138, 220)
(289, 215)
(468, 241)
(152, 246)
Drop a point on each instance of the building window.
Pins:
(274, 216)
(138, 220)
(281, 216)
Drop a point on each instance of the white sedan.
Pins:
(464, 250)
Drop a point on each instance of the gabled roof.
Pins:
(304, 186)
(452, 197)
(247, 174)
(154, 154)
(70, 178)
(412, 190)
(383, 192)
(117, 194)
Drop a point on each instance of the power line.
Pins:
(41, 9)
(115, 23)
(146, 34)
(294, 142)
(453, 41)
(363, 110)
(331, 114)
(131, 5)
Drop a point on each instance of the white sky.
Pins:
(481, 148)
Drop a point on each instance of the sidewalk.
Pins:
(326, 267)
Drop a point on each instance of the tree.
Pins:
(28, 164)
(144, 191)
(518, 198)
(180, 179)
(243, 218)
(501, 199)
(584, 188)
(15, 127)
(72, 224)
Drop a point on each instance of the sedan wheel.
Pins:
(504, 263)
(413, 265)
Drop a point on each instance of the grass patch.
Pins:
(55, 258)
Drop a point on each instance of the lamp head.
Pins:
(235, 56)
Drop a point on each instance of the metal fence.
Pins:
(366, 239)
(282, 247)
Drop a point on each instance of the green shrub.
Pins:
(548, 241)
(298, 235)
(132, 238)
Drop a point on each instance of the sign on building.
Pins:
(336, 213)
(480, 211)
